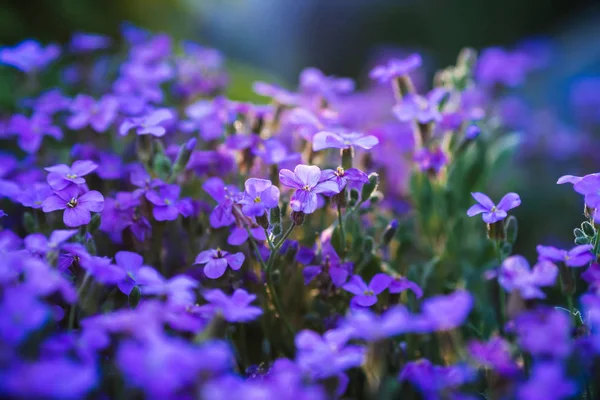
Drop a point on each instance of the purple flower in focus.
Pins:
(547, 382)
(366, 295)
(217, 261)
(491, 212)
(515, 274)
(29, 55)
(98, 115)
(88, 42)
(428, 160)
(572, 179)
(31, 131)
(236, 308)
(78, 207)
(328, 355)
(589, 186)
(307, 180)
(578, 256)
(342, 177)
(147, 125)
(396, 68)
(62, 175)
(260, 195)
(342, 140)
(165, 199)
(38, 243)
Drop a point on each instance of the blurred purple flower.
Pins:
(578, 256)
(589, 186)
(491, 212)
(494, 354)
(366, 295)
(400, 284)
(22, 314)
(99, 115)
(149, 124)
(396, 68)
(330, 261)
(445, 312)
(240, 235)
(307, 180)
(226, 196)
(103, 270)
(327, 355)
(371, 327)
(31, 131)
(77, 206)
(236, 308)
(515, 274)
(29, 55)
(217, 261)
(34, 195)
(544, 332)
(343, 140)
(419, 108)
(428, 160)
(167, 205)
(432, 380)
(88, 42)
(137, 274)
(547, 382)
(38, 243)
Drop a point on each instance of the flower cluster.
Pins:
(161, 240)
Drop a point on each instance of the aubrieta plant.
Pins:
(161, 240)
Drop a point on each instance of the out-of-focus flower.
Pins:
(88, 42)
(428, 160)
(137, 274)
(331, 262)
(371, 327)
(99, 115)
(147, 125)
(422, 109)
(31, 131)
(589, 186)
(515, 274)
(547, 382)
(544, 332)
(38, 243)
(396, 68)
(236, 308)
(576, 257)
(167, 205)
(491, 212)
(343, 140)
(29, 55)
(495, 354)
(62, 175)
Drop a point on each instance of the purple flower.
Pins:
(572, 179)
(429, 160)
(22, 314)
(57, 378)
(77, 206)
(236, 308)
(103, 270)
(366, 295)
(31, 131)
(62, 175)
(49, 102)
(34, 195)
(278, 94)
(240, 235)
(88, 42)
(260, 195)
(445, 312)
(179, 290)
(217, 261)
(491, 212)
(366, 325)
(328, 355)
(137, 274)
(432, 379)
(396, 68)
(147, 125)
(314, 82)
(499, 66)
(86, 111)
(226, 196)
(167, 206)
(515, 274)
(307, 182)
(343, 140)
(400, 284)
(547, 382)
(330, 261)
(495, 354)
(578, 256)
(589, 186)
(29, 55)
(38, 243)
(544, 332)
(342, 177)
(419, 108)
(272, 151)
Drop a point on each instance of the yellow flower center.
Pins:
(257, 199)
(72, 203)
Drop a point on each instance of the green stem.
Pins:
(342, 233)
(269, 241)
(255, 247)
(73, 309)
(501, 294)
(271, 285)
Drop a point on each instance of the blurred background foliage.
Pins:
(274, 40)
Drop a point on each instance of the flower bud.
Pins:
(185, 152)
(298, 217)
(390, 232)
(511, 229)
(588, 229)
(370, 187)
(495, 231)
(368, 245)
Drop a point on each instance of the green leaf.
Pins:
(134, 297)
